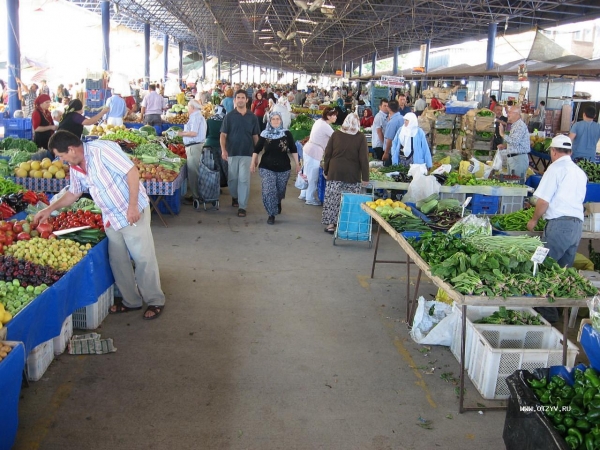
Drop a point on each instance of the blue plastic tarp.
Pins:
(42, 319)
(11, 376)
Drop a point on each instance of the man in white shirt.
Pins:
(560, 196)
(152, 106)
(420, 106)
(378, 129)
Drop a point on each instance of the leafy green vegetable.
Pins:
(302, 122)
(18, 144)
(485, 113)
(510, 317)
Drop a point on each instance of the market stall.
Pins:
(461, 300)
(11, 378)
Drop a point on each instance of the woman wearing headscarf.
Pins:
(227, 101)
(259, 108)
(73, 119)
(312, 153)
(342, 113)
(274, 167)
(285, 110)
(411, 141)
(366, 120)
(213, 135)
(41, 121)
(346, 164)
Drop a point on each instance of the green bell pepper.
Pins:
(567, 392)
(592, 376)
(559, 381)
(569, 422)
(561, 429)
(576, 411)
(574, 432)
(589, 442)
(589, 395)
(537, 384)
(583, 425)
(593, 415)
(557, 417)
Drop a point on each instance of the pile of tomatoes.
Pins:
(79, 218)
(178, 149)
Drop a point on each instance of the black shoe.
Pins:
(234, 203)
(279, 208)
(271, 220)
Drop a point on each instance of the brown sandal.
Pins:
(241, 212)
(120, 308)
(156, 309)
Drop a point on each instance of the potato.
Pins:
(3, 354)
(5, 348)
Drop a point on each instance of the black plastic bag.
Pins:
(526, 427)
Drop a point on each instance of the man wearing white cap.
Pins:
(560, 196)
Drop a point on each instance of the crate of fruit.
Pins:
(163, 187)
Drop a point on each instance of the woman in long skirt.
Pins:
(346, 165)
(275, 167)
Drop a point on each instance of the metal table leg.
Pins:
(154, 207)
(376, 248)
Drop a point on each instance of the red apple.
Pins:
(45, 234)
(17, 227)
(23, 236)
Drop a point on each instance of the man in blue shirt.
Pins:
(585, 135)
(395, 121)
(116, 110)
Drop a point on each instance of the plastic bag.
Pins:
(472, 226)
(434, 323)
(594, 306)
(498, 161)
(422, 185)
(301, 181)
(444, 168)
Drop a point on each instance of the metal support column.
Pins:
(146, 55)
(373, 63)
(351, 69)
(105, 11)
(165, 57)
(219, 69)
(395, 64)
(14, 54)
(180, 75)
(203, 65)
(362, 61)
(427, 50)
(489, 63)
(230, 71)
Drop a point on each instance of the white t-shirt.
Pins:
(563, 186)
(380, 121)
(319, 137)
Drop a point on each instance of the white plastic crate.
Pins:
(475, 313)
(39, 360)
(591, 222)
(509, 204)
(498, 350)
(91, 316)
(458, 196)
(61, 341)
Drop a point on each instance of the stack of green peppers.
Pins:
(574, 411)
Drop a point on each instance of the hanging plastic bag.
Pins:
(444, 168)
(422, 185)
(434, 323)
(499, 162)
(472, 226)
(594, 306)
(301, 181)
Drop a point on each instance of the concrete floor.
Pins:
(272, 338)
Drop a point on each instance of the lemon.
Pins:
(53, 169)
(21, 173)
(46, 174)
(46, 163)
(25, 166)
(35, 165)
(37, 174)
(58, 163)
(31, 173)
(60, 174)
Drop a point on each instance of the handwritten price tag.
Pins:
(538, 257)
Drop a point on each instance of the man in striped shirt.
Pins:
(517, 142)
(112, 180)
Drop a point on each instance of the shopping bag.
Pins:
(498, 161)
(422, 185)
(434, 323)
(301, 181)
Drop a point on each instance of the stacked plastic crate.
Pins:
(443, 135)
(18, 128)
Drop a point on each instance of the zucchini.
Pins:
(426, 200)
(429, 206)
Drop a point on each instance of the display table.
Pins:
(539, 158)
(42, 184)
(81, 286)
(463, 301)
(158, 190)
(11, 377)
(498, 191)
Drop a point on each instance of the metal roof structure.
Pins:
(319, 36)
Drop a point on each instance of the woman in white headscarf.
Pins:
(284, 108)
(346, 165)
(410, 144)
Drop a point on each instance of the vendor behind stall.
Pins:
(560, 196)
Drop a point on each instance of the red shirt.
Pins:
(436, 104)
(129, 102)
(259, 107)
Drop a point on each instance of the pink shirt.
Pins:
(153, 103)
(319, 137)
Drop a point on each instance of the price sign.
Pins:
(538, 257)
